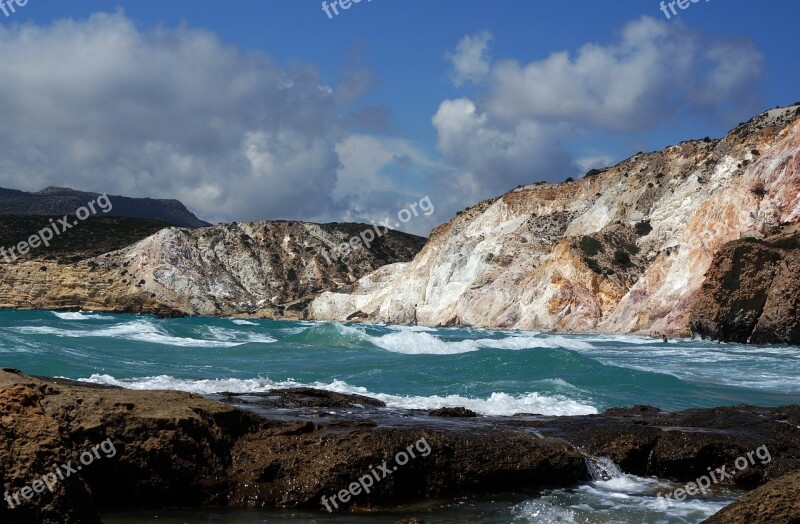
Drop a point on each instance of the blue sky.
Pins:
(260, 110)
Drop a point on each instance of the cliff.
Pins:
(624, 249)
(752, 292)
(256, 268)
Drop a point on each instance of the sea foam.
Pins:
(497, 404)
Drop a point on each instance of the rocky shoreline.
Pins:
(290, 448)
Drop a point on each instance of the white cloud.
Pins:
(594, 161)
(100, 104)
(654, 70)
(493, 159)
(379, 176)
(470, 62)
(512, 132)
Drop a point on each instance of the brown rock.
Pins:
(777, 502)
(752, 292)
(458, 412)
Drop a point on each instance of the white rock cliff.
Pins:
(622, 250)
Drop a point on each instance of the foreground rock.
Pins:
(177, 449)
(752, 292)
(290, 448)
(776, 503)
(623, 249)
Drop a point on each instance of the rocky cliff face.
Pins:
(625, 249)
(255, 268)
(752, 291)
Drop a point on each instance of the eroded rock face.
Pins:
(269, 269)
(625, 250)
(752, 292)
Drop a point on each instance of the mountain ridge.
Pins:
(57, 201)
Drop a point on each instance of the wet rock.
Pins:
(179, 449)
(458, 412)
(302, 397)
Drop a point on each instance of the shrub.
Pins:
(622, 258)
(643, 228)
(593, 265)
(591, 246)
(787, 243)
(593, 172)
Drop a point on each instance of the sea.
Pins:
(492, 372)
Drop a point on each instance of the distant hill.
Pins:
(97, 235)
(59, 201)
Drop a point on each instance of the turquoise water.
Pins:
(491, 372)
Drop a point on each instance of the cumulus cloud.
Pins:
(586, 163)
(470, 62)
(513, 132)
(495, 159)
(101, 104)
(654, 70)
(105, 105)
(379, 176)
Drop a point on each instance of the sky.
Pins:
(253, 110)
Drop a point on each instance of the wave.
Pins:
(242, 322)
(613, 496)
(233, 336)
(498, 404)
(79, 315)
(138, 330)
(413, 342)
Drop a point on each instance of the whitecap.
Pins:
(497, 404)
(242, 322)
(79, 315)
(241, 337)
(411, 342)
(137, 330)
